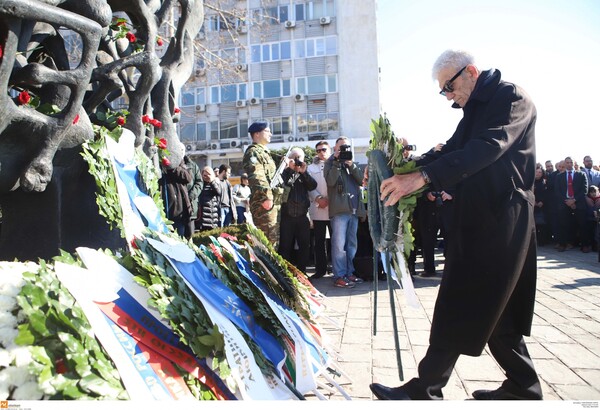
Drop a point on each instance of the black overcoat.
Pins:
(490, 276)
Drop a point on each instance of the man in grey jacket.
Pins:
(344, 179)
(319, 208)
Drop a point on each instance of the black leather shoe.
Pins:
(427, 274)
(388, 393)
(499, 394)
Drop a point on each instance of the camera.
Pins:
(345, 153)
(409, 148)
(438, 199)
(297, 162)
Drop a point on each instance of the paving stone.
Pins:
(482, 368)
(554, 371)
(574, 355)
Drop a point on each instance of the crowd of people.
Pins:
(567, 204)
(202, 199)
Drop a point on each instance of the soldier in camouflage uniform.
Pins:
(265, 202)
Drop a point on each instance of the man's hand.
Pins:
(302, 168)
(267, 204)
(322, 202)
(398, 186)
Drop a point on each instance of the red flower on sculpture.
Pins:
(24, 97)
(176, 110)
(162, 143)
(165, 161)
(121, 121)
(60, 366)
(76, 119)
(134, 244)
(156, 123)
(159, 41)
(146, 119)
(131, 37)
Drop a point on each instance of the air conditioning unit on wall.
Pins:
(299, 97)
(201, 108)
(240, 103)
(190, 147)
(325, 20)
(214, 146)
(242, 67)
(254, 101)
(290, 24)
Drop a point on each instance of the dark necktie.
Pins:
(570, 192)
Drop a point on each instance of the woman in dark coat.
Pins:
(209, 201)
(487, 293)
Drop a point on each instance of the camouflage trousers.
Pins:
(267, 221)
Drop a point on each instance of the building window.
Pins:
(318, 84)
(331, 83)
(201, 131)
(200, 95)
(300, 16)
(229, 130)
(214, 95)
(317, 123)
(255, 53)
(187, 98)
(214, 130)
(242, 93)
(286, 50)
(228, 93)
(257, 89)
(272, 88)
(187, 132)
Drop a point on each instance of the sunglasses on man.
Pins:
(321, 149)
(448, 86)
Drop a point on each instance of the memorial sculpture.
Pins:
(50, 104)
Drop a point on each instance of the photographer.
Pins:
(295, 226)
(344, 179)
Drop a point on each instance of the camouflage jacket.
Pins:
(260, 167)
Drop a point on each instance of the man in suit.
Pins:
(487, 294)
(570, 188)
(592, 175)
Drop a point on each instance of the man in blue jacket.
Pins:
(487, 294)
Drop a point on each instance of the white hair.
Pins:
(296, 152)
(456, 59)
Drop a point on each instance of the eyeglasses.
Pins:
(321, 149)
(448, 86)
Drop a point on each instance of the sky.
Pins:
(551, 48)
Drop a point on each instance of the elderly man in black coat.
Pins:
(487, 293)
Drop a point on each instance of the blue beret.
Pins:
(258, 126)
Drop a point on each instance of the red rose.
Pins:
(156, 123)
(145, 119)
(121, 23)
(121, 121)
(24, 97)
(76, 119)
(165, 161)
(134, 244)
(177, 110)
(162, 143)
(60, 366)
(130, 36)
(159, 41)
